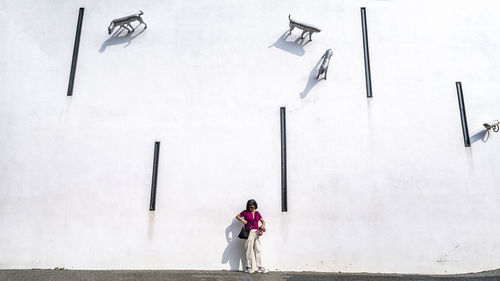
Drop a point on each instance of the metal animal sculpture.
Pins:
(123, 22)
(303, 26)
(324, 64)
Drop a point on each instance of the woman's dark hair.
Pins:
(251, 202)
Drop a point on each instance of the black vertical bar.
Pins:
(283, 160)
(152, 203)
(75, 52)
(461, 105)
(367, 55)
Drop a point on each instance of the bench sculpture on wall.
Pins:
(323, 69)
(123, 22)
(305, 27)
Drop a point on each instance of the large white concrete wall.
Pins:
(380, 185)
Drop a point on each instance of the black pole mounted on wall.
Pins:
(284, 207)
(367, 55)
(75, 52)
(152, 203)
(461, 105)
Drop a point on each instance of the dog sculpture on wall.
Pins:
(323, 69)
(302, 26)
(123, 22)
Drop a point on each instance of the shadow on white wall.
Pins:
(483, 135)
(115, 39)
(312, 80)
(234, 254)
(294, 47)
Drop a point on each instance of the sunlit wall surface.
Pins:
(377, 185)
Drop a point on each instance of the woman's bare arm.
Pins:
(238, 217)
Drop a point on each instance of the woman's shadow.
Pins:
(234, 254)
(312, 80)
(115, 39)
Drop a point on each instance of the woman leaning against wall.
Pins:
(253, 249)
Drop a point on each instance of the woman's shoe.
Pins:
(249, 270)
(262, 270)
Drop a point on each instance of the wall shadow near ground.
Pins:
(234, 254)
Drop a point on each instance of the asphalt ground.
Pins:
(196, 275)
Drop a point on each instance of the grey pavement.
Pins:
(197, 275)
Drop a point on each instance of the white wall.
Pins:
(380, 185)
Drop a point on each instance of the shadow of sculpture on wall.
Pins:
(312, 80)
(483, 135)
(295, 47)
(234, 254)
(117, 38)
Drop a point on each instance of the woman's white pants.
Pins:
(253, 249)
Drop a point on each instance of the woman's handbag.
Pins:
(246, 231)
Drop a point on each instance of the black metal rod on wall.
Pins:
(284, 207)
(75, 52)
(367, 54)
(461, 105)
(152, 203)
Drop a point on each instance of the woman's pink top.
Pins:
(248, 216)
